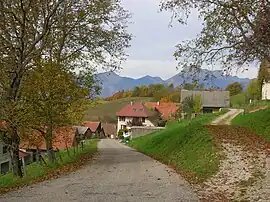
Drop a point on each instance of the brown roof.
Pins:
(92, 125)
(23, 154)
(109, 128)
(62, 138)
(164, 108)
(209, 99)
(134, 110)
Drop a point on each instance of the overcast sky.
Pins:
(151, 51)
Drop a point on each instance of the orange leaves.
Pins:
(239, 135)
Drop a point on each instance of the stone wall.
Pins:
(138, 131)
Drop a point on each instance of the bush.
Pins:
(36, 172)
(121, 134)
(161, 123)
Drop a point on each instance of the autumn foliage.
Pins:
(159, 92)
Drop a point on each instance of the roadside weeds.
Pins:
(49, 172)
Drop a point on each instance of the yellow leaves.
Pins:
(53, 95)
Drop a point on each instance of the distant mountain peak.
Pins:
(111, 82)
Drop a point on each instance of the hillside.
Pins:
(105, 111)
(111, 82)
(185, 145)
(257, 121)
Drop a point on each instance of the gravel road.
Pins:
(117, 173)
(226, 118)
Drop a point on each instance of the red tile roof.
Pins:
(164, 108)
(92, 125)
(134, 110)
(63, 138)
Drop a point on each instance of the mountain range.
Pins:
(112, 82)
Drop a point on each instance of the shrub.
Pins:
(121, 134)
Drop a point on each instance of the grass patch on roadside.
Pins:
(37, 173)
(258, 122)
(187, 146)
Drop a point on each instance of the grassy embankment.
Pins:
(37, 173)
(258, 122)
(239, 101)
(187, 146)
(105, 111)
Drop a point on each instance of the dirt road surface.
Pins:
(117, 173)
(226, 118)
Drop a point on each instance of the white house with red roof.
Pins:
(133, 112)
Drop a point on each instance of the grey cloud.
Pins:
(153, 39)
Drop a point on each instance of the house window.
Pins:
(143, 120)
(5, 149)
(4, 168)
(122, 118)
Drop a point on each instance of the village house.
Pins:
(266, 91)
(132, 114)
(264, 74)
(5, 163)
(212, 101)
(166, 110)
(63, 138)
(109, 130)
(96, 128)
(5, 160)
(84, 132)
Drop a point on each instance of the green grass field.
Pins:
(105, 111)
(238, 101)
(185, 145)
(258, 122)
(35, 171)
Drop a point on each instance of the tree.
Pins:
(264, 73)
(234, 88)
(253, 90)
(188, 86)
(74, 34)
(197, 105)
(234, 33)
(187, 106)
(178, 113)
(55, 100)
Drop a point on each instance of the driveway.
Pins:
(226, 118)
(117, 173)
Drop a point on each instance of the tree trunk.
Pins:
(67, 150)
(14, 153)
(37, 156)
(49, 146)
